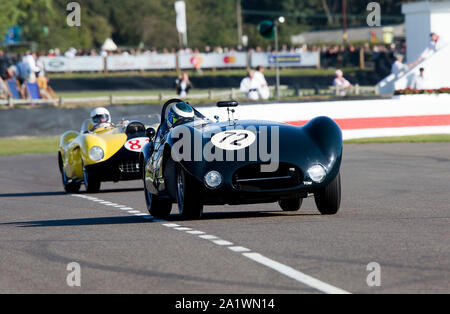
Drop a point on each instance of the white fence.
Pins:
(181, 61)
(232, 93)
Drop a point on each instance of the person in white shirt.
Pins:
(434, 45)
(263, 87)
(398, 65)
(341, 82)
(421, 82)
(70, 53)
(249, 86)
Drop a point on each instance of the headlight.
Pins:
(96, 153)
(317, 173)
(213, 179)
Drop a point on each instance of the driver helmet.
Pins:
(100, 117)
(179, 111)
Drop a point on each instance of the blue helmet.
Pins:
(178, 111)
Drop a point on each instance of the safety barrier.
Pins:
(207, 94)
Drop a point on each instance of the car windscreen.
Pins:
(148, 120)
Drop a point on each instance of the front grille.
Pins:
(250, 178)
(129, 166)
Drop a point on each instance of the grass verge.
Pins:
(28, 145)
(47, 145)
(426, 138)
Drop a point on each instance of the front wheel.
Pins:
(291, 205)
(328, 199)
(70, 186)
(157, 207)
(188, 201)
(91, 182)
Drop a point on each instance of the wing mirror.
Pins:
(227, 104)
(150, 132)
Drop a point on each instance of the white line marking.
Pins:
(195, 232)
(171, 225)
(222, 242)
(294, 274)
(183, 229)
(134, 212)
(256, 257)
(239, 249)
(208, 237)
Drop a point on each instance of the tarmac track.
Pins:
(395, 212)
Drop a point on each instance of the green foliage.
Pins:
(152, 22)
(8, 15)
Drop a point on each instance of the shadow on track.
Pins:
(33, 194)
(241, 215)
(119, 220)
(62, 193)
(97, 221)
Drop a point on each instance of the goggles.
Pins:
(100, 118)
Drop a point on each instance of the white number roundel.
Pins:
(136, 144)
(233, 139)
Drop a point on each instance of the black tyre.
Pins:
(328, 199)
(70, 186)
(91, 182)
(291, 205)
(157, 207)
(188, 201)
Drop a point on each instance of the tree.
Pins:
(8, 16)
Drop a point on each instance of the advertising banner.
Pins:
(77, 64)
(304, 59)
(141, 62)
(213, 60)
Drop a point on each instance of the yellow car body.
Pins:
(119, 160)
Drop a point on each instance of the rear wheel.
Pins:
(291, 205)
(157, 207)
(91, 182)
(328, 199)
(188, 201)
(70, 186)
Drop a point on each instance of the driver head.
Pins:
(100, 116)
(178, 111)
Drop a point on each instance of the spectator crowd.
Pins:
(20, 72)
(22, 76)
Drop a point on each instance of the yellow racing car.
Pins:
(103, 152)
